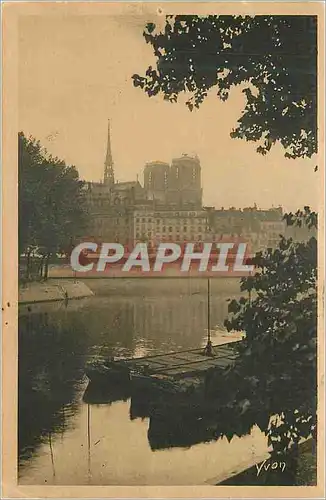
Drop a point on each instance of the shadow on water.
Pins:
(169, 429)
(56, 340)
(50, 378)
(54, 347)
(169, 426)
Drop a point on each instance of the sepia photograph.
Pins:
(163, 204)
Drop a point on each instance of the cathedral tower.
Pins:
(108, 164)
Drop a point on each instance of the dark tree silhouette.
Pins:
(275, 374)
(273, 57)
(52, 206)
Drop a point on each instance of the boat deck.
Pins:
(184, 363)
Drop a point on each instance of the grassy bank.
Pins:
(305, 475)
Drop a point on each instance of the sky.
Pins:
(75, 73)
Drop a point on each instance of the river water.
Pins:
(69, 438)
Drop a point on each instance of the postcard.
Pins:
(163, 237)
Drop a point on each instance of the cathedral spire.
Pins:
(108, 164)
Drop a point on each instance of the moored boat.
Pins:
(101, 371)
(162, 384)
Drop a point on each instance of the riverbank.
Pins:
(53, 290)
(150, 287)
(270, 473)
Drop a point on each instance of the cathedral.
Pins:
(112, 204)
(168, 207)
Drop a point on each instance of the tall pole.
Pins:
(208, 312)
(89, 440)
(52, 456)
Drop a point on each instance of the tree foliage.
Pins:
(275, 375)
(273, 57)
(52, 211)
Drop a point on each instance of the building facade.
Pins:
(259, 228)
(156, 224)
(175, 185)
(125, 211)
(110, 204)
(169, 208)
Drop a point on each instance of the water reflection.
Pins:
(72, 433)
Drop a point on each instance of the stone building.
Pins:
(111, 203)
(259, 228)
(118, 211)
(177, 185)
(156, 178)
(169, 208)
(156, 224)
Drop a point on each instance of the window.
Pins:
(143, 220)
(170, 229)
(185, 228)
(149, 220)
(149, 234)
(158, 222)
(163, 229)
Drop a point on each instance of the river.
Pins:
(65, 439)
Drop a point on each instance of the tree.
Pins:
(275, 374)
(52, 210)
(273, 57)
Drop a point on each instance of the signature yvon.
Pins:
(266, 465)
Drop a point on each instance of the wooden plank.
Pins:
(189, 370)
(183, 363)
(198, 351)
(148, 363)
(192, 358)
(204, 362)
(222, 352)
(131, 360)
